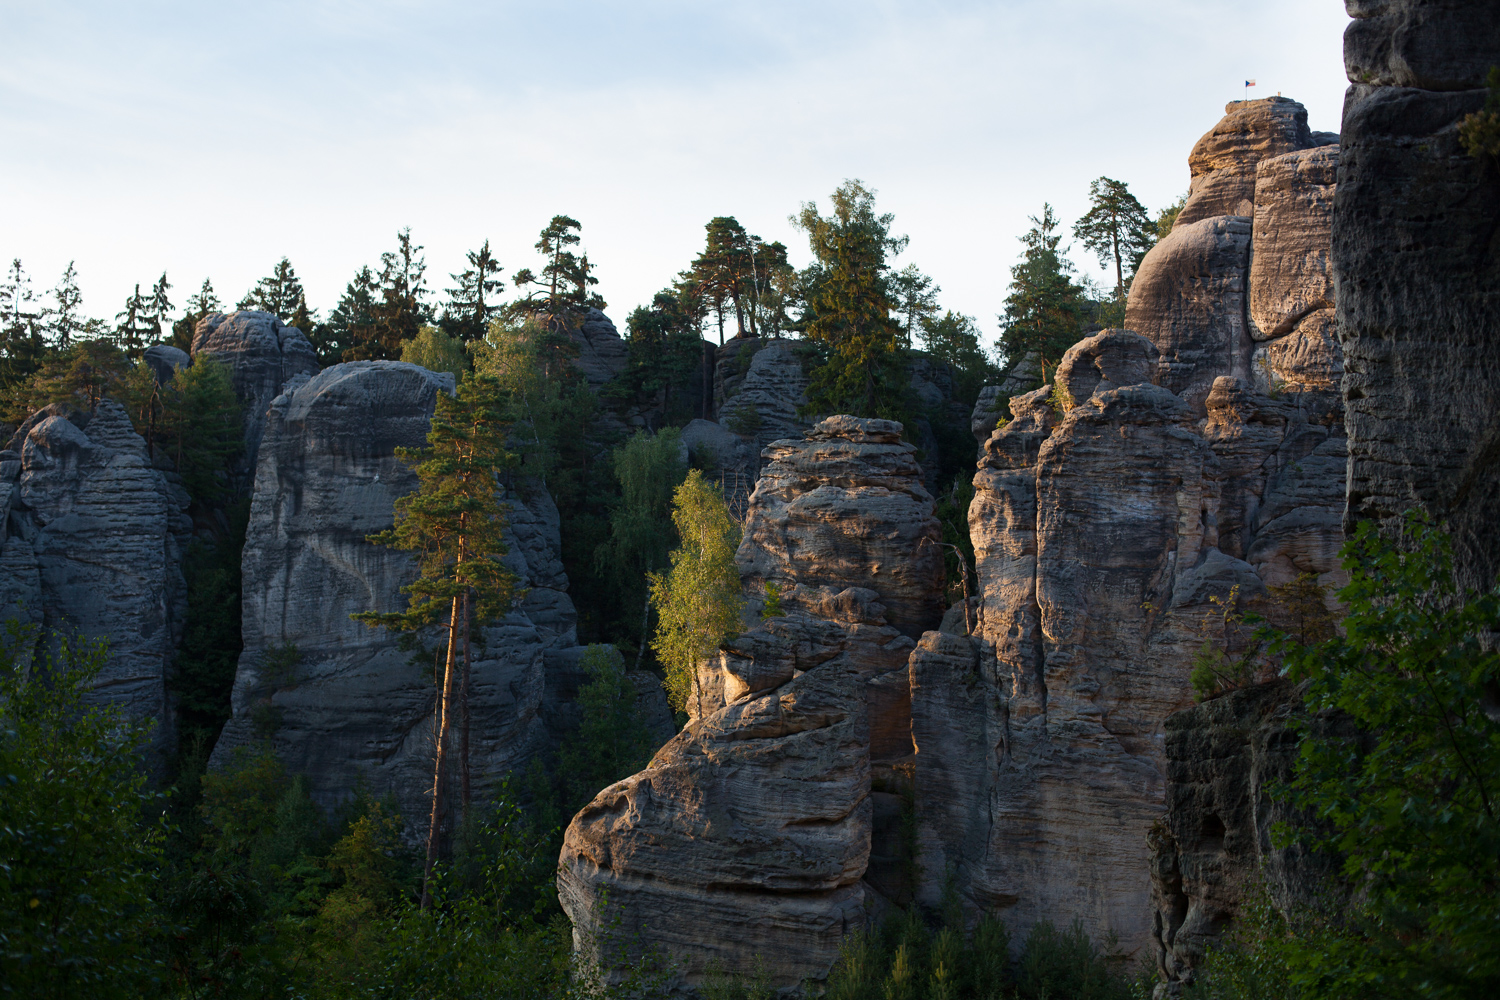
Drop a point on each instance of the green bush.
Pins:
(80, 830)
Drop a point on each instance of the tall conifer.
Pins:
(454, 522)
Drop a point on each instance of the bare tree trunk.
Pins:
(645, 622)
(444, 702)
(463, 701)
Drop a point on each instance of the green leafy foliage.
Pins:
(953, 339)
(613, 740)
(908, 960)
(849, 307)
(699, 602)
(78, 851)
(436, 351)
(649, 468)
(1480, 131)
(1167, 217)
(1044, 310)
(1410, 803)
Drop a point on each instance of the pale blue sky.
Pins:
(210, 139)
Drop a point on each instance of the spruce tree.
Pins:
(199, 304)
(455, 524)
(159, 309)
(1044, 310)
(398, 309)
(1116, 229)
(133, 323)
(849, 307)
(352, 322)
(475, 301)
(21, 327)
(279, 293)
(66, 319)
(915, 295)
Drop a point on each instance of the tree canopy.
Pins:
(1045, 308)
(849, 306)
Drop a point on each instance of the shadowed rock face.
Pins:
(1222, 759)
(347, 705)
(262, 354)
(750, 831)
(756, 831)
(94, 546)
(1418, 270)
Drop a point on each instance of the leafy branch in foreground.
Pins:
(1412, 802)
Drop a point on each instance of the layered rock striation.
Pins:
(757, 829)
(339, 701)
(1187, 464)
(1417, 266)
(91, 545)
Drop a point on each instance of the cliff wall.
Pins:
(1416, 256)
(1194, 458)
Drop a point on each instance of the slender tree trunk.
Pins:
(645, 622)
(440, 759)
(463, 701)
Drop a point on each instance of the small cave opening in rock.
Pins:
(1211, 834)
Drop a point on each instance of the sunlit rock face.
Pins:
(1192, 458)
(765, 827)
(1418, 271)
(339, 701)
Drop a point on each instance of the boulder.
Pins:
(164, 360)
(842, 510)
(1188, 298)
(341, 702)
(1104, 361)
(1223, 161)
(262, 353)
(750, 832)
(1418, 272)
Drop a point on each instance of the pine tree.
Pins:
(666, 351)
(133, 323)
(562, 287)
(1044, 310)
(475, 302)
(66, 319)
(279, 293)
(1116, 229)
(915, 295)
(849, 306)
(455, 523)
